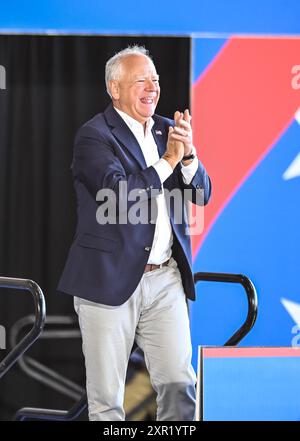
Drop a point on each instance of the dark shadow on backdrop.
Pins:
(54, 84)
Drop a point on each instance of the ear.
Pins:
(114, 89)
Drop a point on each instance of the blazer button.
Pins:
(147, 248)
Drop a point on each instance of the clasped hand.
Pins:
(179, 138)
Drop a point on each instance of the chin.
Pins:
(147, 113)
(150, 113)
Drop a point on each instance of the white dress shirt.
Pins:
(163, 236)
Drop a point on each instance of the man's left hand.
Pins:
(183, 130)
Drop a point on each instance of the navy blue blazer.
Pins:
(106, 262)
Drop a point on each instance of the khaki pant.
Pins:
(156, 317)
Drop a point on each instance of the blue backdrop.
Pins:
(157, 17)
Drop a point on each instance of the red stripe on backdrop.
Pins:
(240, 106)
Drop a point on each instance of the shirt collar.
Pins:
(134, 125)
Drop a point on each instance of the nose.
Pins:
(151, 85)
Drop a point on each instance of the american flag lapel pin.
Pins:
(158, 132)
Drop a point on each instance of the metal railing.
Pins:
(56, 327)
(48, 414)
(40, 315)
(251, 298)
(31, 413)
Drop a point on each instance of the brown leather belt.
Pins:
(153, 266)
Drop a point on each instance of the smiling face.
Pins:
(137, 90)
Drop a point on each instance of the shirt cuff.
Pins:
(189, 171)
(163, 169)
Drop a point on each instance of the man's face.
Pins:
(137, 91)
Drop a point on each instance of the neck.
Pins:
(142, 121)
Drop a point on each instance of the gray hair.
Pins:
(113, 65)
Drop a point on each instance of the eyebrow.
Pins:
(145, 76)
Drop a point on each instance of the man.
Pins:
(130, 280)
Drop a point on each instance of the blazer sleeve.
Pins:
(199, 188)
(98, 167)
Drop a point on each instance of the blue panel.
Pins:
(252, 389)
(219, 311)
(204, 52)
(258, 235)
(94, 16)
(251, 16)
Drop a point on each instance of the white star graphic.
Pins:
(293, 170)
(293, 309)
(297, 115)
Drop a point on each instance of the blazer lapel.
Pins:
(124, 135)
(160, 136)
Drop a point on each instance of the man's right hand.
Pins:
(175, 148)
